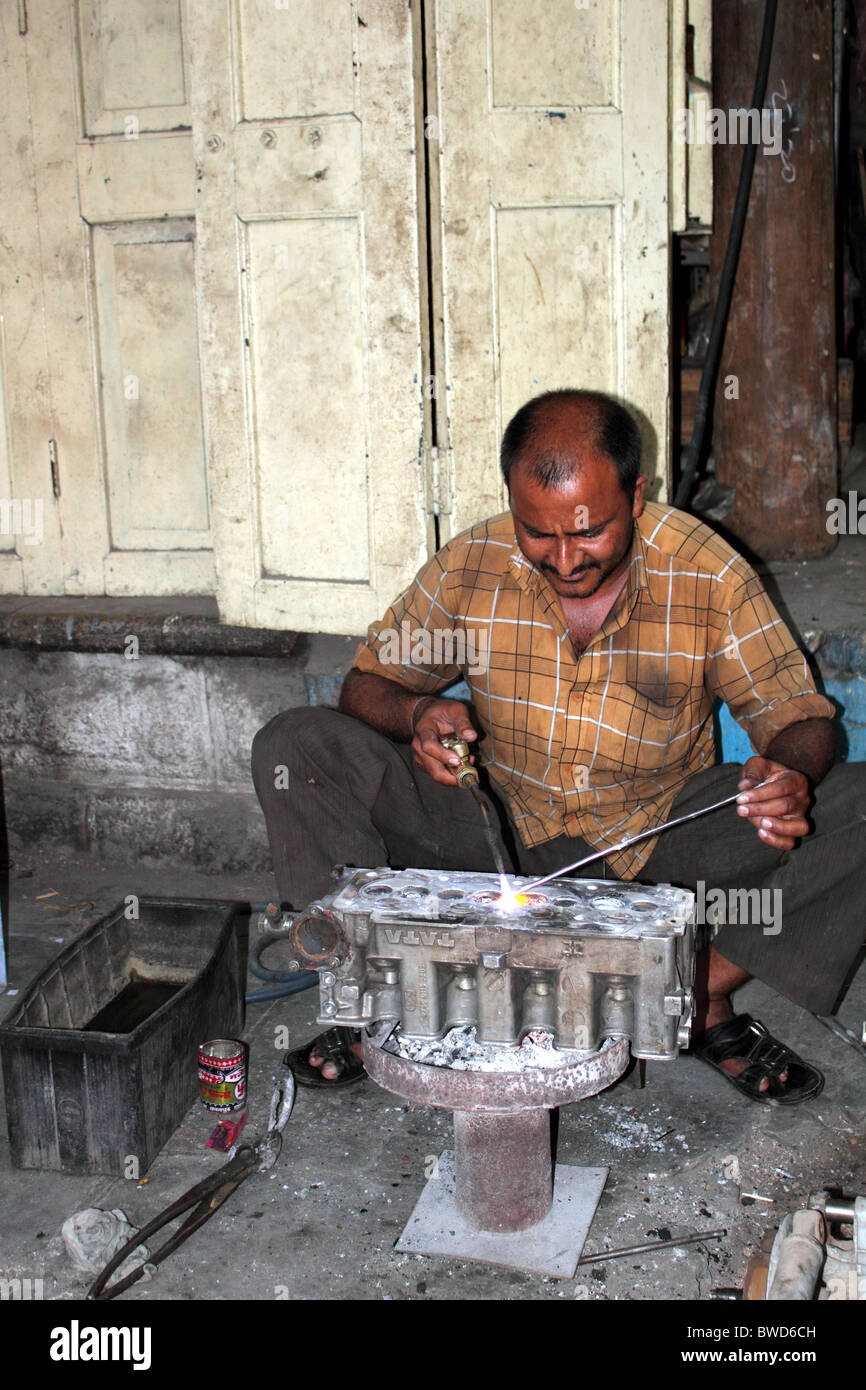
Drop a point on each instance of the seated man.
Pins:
(595, 631)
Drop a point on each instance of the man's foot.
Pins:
(760, 1067)
(719, 1011)
(716, 979)
(331, 1059)
(330, 1068)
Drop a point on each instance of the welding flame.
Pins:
(508, 901)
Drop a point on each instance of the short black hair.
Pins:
(613, 432)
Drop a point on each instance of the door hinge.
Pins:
(55, 469)
(441, 494)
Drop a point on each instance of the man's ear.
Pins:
(640, 488)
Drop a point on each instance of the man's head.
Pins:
(571, 460)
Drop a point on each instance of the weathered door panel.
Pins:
(309, 305)
(553, 125)
(156, 485)
(23, 431)
(132, 65)
(136, 194)
(13, 514)
(29, 563)
(114, 186)
(691, 97)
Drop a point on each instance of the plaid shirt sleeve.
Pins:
(757, 667)
(418, 642)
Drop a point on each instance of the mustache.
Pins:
(581, 569)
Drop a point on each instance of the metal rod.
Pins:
(694, 452)
(633, 839)
(842, 1032)
(839, 1209)
(651, 1245)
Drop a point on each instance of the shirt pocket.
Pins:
(637, 735)
(661, 681)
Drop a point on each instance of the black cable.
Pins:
(729, 272)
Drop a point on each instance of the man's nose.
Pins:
(569, 555)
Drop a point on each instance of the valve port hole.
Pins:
(315, 938)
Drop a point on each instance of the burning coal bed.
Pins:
(461, 1050)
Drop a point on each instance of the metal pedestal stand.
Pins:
(497, 1196)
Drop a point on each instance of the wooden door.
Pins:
(553, 161)
(309, 306)
(112, 440)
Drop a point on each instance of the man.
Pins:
(607, 627)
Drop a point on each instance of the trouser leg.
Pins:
(804, 922)
(334, 791)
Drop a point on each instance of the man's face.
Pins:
(580, 534)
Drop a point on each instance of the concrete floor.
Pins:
(323, 1223)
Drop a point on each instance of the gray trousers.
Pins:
(334, 791)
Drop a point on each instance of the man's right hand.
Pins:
(436, 720)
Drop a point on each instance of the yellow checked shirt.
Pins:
(598, 745)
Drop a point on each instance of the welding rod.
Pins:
(650, 1246)
(633, 839)
(842, 1032)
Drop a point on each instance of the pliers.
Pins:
(206, 1196)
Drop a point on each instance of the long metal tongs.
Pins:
(206, 1196)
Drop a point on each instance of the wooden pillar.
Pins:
(774, 434)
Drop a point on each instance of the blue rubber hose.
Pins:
(305, 979)
(282, 982)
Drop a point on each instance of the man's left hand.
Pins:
(778, 811)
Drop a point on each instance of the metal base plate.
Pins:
(552, 1247)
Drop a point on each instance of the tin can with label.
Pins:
(222, 1074)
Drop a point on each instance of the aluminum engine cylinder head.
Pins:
(586, 959)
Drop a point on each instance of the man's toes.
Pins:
(315, 1060)
(735, 1065)
(330, 1072)
(765, 1084)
